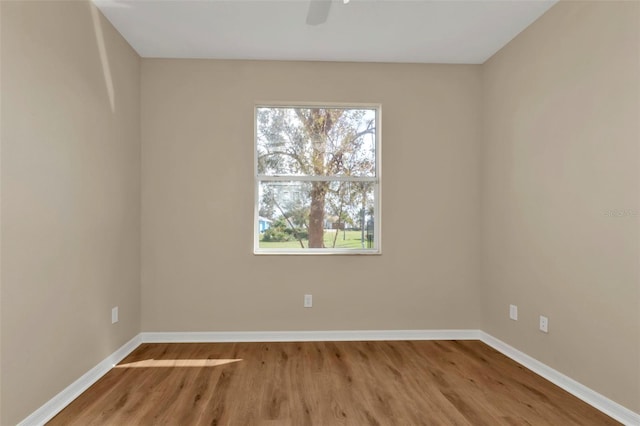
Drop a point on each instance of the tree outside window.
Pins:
(317, 179)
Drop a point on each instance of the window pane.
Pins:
(326, 214)
(307, 141)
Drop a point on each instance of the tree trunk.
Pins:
(316, 215)
(317, 125)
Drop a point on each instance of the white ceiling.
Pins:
(446, 31)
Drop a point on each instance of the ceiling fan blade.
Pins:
(318, 11)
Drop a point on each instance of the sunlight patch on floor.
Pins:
(152, 363)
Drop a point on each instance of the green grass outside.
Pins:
(346, 239)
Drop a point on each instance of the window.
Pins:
(317, 186)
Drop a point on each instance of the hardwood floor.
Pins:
(324, 383)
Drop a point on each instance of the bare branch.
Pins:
(289, 222)
(288, 154)
(336, 158)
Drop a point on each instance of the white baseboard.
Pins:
(591, 397)
(71, 392)
(308, 336)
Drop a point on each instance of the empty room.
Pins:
(319, 212)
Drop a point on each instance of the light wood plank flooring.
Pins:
(324, 383)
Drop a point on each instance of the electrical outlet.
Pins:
(544, 324)
(513, 312)
(114, 315)
(308, 300)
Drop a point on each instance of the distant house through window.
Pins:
(317, 179)
(263, 224)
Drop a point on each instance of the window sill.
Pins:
(318, 252)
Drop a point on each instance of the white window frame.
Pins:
(377, 180)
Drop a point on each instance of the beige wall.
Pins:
(198, 270)
(561, 135)
(70, 198)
